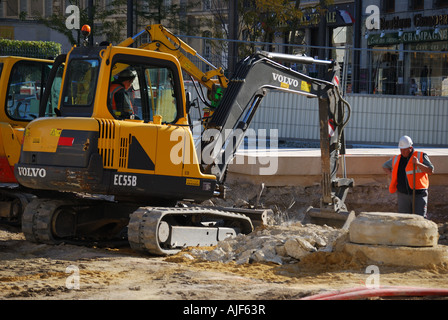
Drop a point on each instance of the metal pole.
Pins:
(322, 34)
(91, 22)
(130, 17)
(413, 192)
(233, 35)
(357, 44)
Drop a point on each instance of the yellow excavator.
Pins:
(130, 167)
(22, 82)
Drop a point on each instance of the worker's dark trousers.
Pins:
(405, 203)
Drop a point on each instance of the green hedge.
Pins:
(32, 49)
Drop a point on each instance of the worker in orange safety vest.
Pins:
(402, 169)
(120, 101)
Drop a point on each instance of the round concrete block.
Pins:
(400, 256)
(394, 229)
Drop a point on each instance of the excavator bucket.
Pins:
(333, 211)
(340, 220)
(334, 113)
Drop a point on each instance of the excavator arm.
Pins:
(254, 76)
(257, 74)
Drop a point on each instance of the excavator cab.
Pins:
(22, 83)
(135, 152)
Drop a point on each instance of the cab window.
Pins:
(161, 95)
(25, 89)
(53, 98)
(79, 88)
(143, 90)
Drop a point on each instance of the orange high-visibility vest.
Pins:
(421, 178)
(114, 88)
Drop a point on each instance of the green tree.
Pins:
(262, 20)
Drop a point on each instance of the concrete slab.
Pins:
(400, 255)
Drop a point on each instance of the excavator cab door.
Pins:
(26, 84)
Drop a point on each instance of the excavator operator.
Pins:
(120, 100)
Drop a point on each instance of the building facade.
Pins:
(409, 50)
(406, 55)
(17, 22)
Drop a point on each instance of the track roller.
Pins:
(165, 231)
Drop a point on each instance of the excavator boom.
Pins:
(163, 40)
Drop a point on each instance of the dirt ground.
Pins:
(30, 271)
(39, 271)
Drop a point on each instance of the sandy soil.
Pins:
(30, 271)
(65, 272)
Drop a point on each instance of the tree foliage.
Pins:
(263, 20)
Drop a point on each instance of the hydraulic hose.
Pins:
(388, 291)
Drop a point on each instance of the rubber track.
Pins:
(37, 218)
(144, 222)
(10, 195)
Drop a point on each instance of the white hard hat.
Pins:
(405, 142)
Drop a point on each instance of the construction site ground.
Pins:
(38, 271)
(30, 271)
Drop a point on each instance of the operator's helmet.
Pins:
(127, 75)
(405, 142)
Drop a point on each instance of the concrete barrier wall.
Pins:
(299, 176)
(302, 167)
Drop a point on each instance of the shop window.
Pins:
(37, 7)
(416, 4)
(206, 5)
(388, 6)
(440, 4)
(429, 68)
(12, 9)
(385, 70)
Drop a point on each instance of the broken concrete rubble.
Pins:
(298, 248)
(292, 242)
(277, 244)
